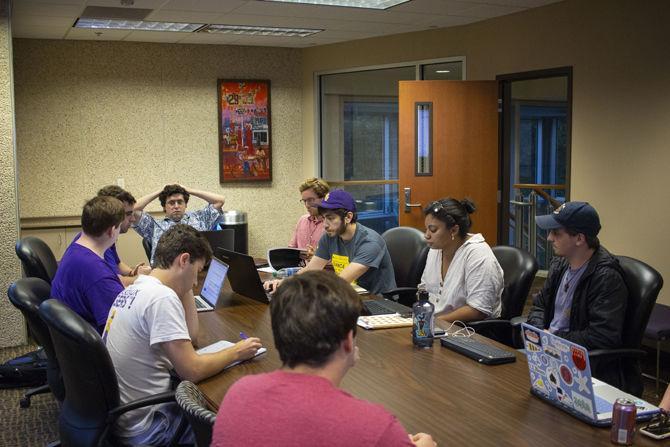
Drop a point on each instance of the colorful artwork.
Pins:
(244, 131)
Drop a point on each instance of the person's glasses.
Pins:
(310, 201)
(175, 202)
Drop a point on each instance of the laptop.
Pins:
(211, 288)
(243, 275)
(385, 307)
(284, 257)
(560, 374)
(220, 238)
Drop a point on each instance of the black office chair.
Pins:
(408, 250)
(92, 402)
(194, 406)
(644, 283)
(146, 243)
(519, 269)
(27, 294)
(37, 259)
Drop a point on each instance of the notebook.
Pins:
(560, 374)
(211, 288)
(223, 344)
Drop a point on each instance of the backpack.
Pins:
(27, 370)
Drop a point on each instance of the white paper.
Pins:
(267, 270)
(224, 344)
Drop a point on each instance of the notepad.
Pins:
(384, 321)
(224, 344)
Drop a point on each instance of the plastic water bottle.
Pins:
(423, 325)
(286, 272)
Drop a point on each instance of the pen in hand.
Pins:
(243, 336)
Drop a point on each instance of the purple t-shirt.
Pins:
(111, 256)
(87, 284)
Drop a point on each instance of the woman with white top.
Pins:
(462, 276)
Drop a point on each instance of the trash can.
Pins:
(237, 220)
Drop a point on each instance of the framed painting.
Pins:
(245, 149)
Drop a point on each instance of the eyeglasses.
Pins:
(659, 423)
(310, 201)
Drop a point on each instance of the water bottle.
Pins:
(285, 272)
(423, 324)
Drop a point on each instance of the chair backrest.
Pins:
(37, 259)
(27, 294)
(644, 283)
(405, 244)
(193, 404)
(146, 243)
(519, 269)
(91, 387)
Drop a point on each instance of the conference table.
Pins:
(457, 400)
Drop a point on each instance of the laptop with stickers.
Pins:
(211, 288)
(560, 374)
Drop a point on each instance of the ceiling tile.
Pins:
(89, 34)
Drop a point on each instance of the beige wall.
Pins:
(88, 113)
(13, 329)
(621, 100)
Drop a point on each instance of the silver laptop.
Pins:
(560, 374)
(211, 289)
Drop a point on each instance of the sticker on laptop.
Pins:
(566, 375)
(582, 404)
(579, 357)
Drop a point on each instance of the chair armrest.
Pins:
(489, 324)
(516, 321)
(161, 398)
(616, 353)
(400, 290)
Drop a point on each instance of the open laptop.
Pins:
(560, 374)
(211, 288)
(220, 238)
(243, 275)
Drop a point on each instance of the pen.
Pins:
(243, 336)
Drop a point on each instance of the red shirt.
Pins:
(290, 409)
(308, 231)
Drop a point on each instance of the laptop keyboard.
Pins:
(200, 304)
(385, 307)
(477, 350)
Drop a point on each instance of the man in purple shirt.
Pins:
(84, 280)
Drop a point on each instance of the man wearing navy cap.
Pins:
(584, 297)
(357, 253)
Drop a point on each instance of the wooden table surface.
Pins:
(437, 391)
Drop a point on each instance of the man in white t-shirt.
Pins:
(150, 330)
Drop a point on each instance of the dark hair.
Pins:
(118, 193)
(340, 212)
(453, 212)
(591, 241)
(100, 213)
(180, 239)
(171, 190)
(312, 313)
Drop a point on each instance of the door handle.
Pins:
(408, 204)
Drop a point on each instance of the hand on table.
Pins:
(422, 440)
(271, 286)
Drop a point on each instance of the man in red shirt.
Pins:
(314, 324)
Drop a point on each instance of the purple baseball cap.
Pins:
(338, 198)
(577, 216)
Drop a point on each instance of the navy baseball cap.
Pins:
(338, 198)
(578, 216)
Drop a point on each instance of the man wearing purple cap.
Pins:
(584, 297)
(357, 253)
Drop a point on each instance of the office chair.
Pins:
(192, 402)
(644, 283)
(27, 294)
(519, 269)
(146, 243)
(37, 259)
(408, 251)
(92, 402)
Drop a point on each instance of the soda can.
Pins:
(624, 414)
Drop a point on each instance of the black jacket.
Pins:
(598, 307)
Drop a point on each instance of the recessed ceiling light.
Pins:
(260, 30)
(442, 71)
(93, 23)
(370, 4)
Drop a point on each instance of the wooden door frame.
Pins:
(504, 117)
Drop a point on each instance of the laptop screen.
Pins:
(216, 275)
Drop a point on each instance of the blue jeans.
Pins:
(163, 427)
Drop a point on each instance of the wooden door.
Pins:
(464, 141)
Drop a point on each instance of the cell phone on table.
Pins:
(659, 430)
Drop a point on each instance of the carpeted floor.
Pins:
(33, 426)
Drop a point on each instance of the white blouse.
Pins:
(474, 278)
